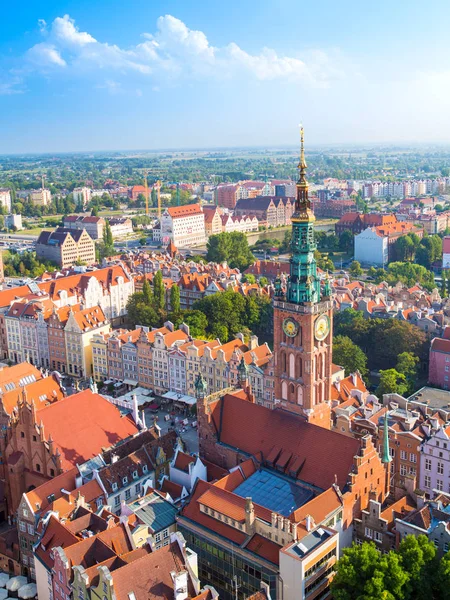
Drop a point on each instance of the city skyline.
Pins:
(189, 75)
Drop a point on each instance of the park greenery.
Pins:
(384, 343)
(220, 315)
(232, 248)
(413, 572)
(24, 264)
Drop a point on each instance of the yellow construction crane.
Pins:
(158, 190)
(146, 191)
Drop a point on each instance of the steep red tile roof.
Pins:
(323, 454)
(264, 548)
(38, 498)
(55, 535)
(82, 424)
(183, 461)
(90, 318)
(173, 489)
(149, 577)
(440, 345)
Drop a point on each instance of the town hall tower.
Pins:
(303, 321)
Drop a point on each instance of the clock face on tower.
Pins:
(290, 327)
(322, 327)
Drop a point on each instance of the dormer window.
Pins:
(145, 468)
(114, 487)
(135, 474)
(125, 480)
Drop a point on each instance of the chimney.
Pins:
(135, 409)
(180, 585)
(309, 523)
(354, 379)
(249, 514)
(253, 342)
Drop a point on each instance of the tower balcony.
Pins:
(307, 308)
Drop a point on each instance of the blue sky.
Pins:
(81, 75)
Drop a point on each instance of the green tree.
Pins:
(94, 211)
(346, 241)
(442, 581)
(159, 292)
(175, 305)
(107, 235)
(140, 313)
(230, 247)
(197, 322)
(404, 248)
(418, 556)
(227, 309)
(263, 281)
(408, 364)
(364, 574)
(391, 382)
(355, 269)
(349, 355)
(147, 293)
(249, 278)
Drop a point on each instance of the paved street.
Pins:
(188, 433)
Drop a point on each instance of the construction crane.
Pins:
(146, 191)
(158, 190)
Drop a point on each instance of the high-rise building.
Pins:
(303, 321)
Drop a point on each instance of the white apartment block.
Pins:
(82, 195)
(183, 225)
(5, 198)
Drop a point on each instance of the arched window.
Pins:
(284, 390)
(300, 395)
(292, 389)
(299, 366)
(283, 362)
(292, 366)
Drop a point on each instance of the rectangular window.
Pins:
(428, 464)
(439, 484)
(368, 533)
(22, 526)
(127, 494)
(440, 468)
(117, 500)
(427, 482)
(403, 455)
(412, 457)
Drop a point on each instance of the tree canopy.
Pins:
(413, 572)
(349, 355)
(230, 247)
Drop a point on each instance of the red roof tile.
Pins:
(325, 454)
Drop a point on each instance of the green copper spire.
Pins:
(304, 285)
(386, 458)
(200, 386)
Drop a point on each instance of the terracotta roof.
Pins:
(322, 454)
(397, 510)
(149, 577)
(231, 505)
(18, 375)
(39, 497)
(55, 535)
(264, 548)
(440, 345)
(192, 511)
(82, 424)
(183, 461)
(41, 392)
(184, 211)
(173, 489)
(318, 508)
(90, 318)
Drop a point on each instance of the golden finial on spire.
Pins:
(302, 164)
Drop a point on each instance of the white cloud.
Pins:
(46, 55)
(173, 52)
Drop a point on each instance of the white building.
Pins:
(13, 221)
(435, 463)
(82, 195)
(120, 226)
(183, 225)
(5, 198)
(371, 248)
